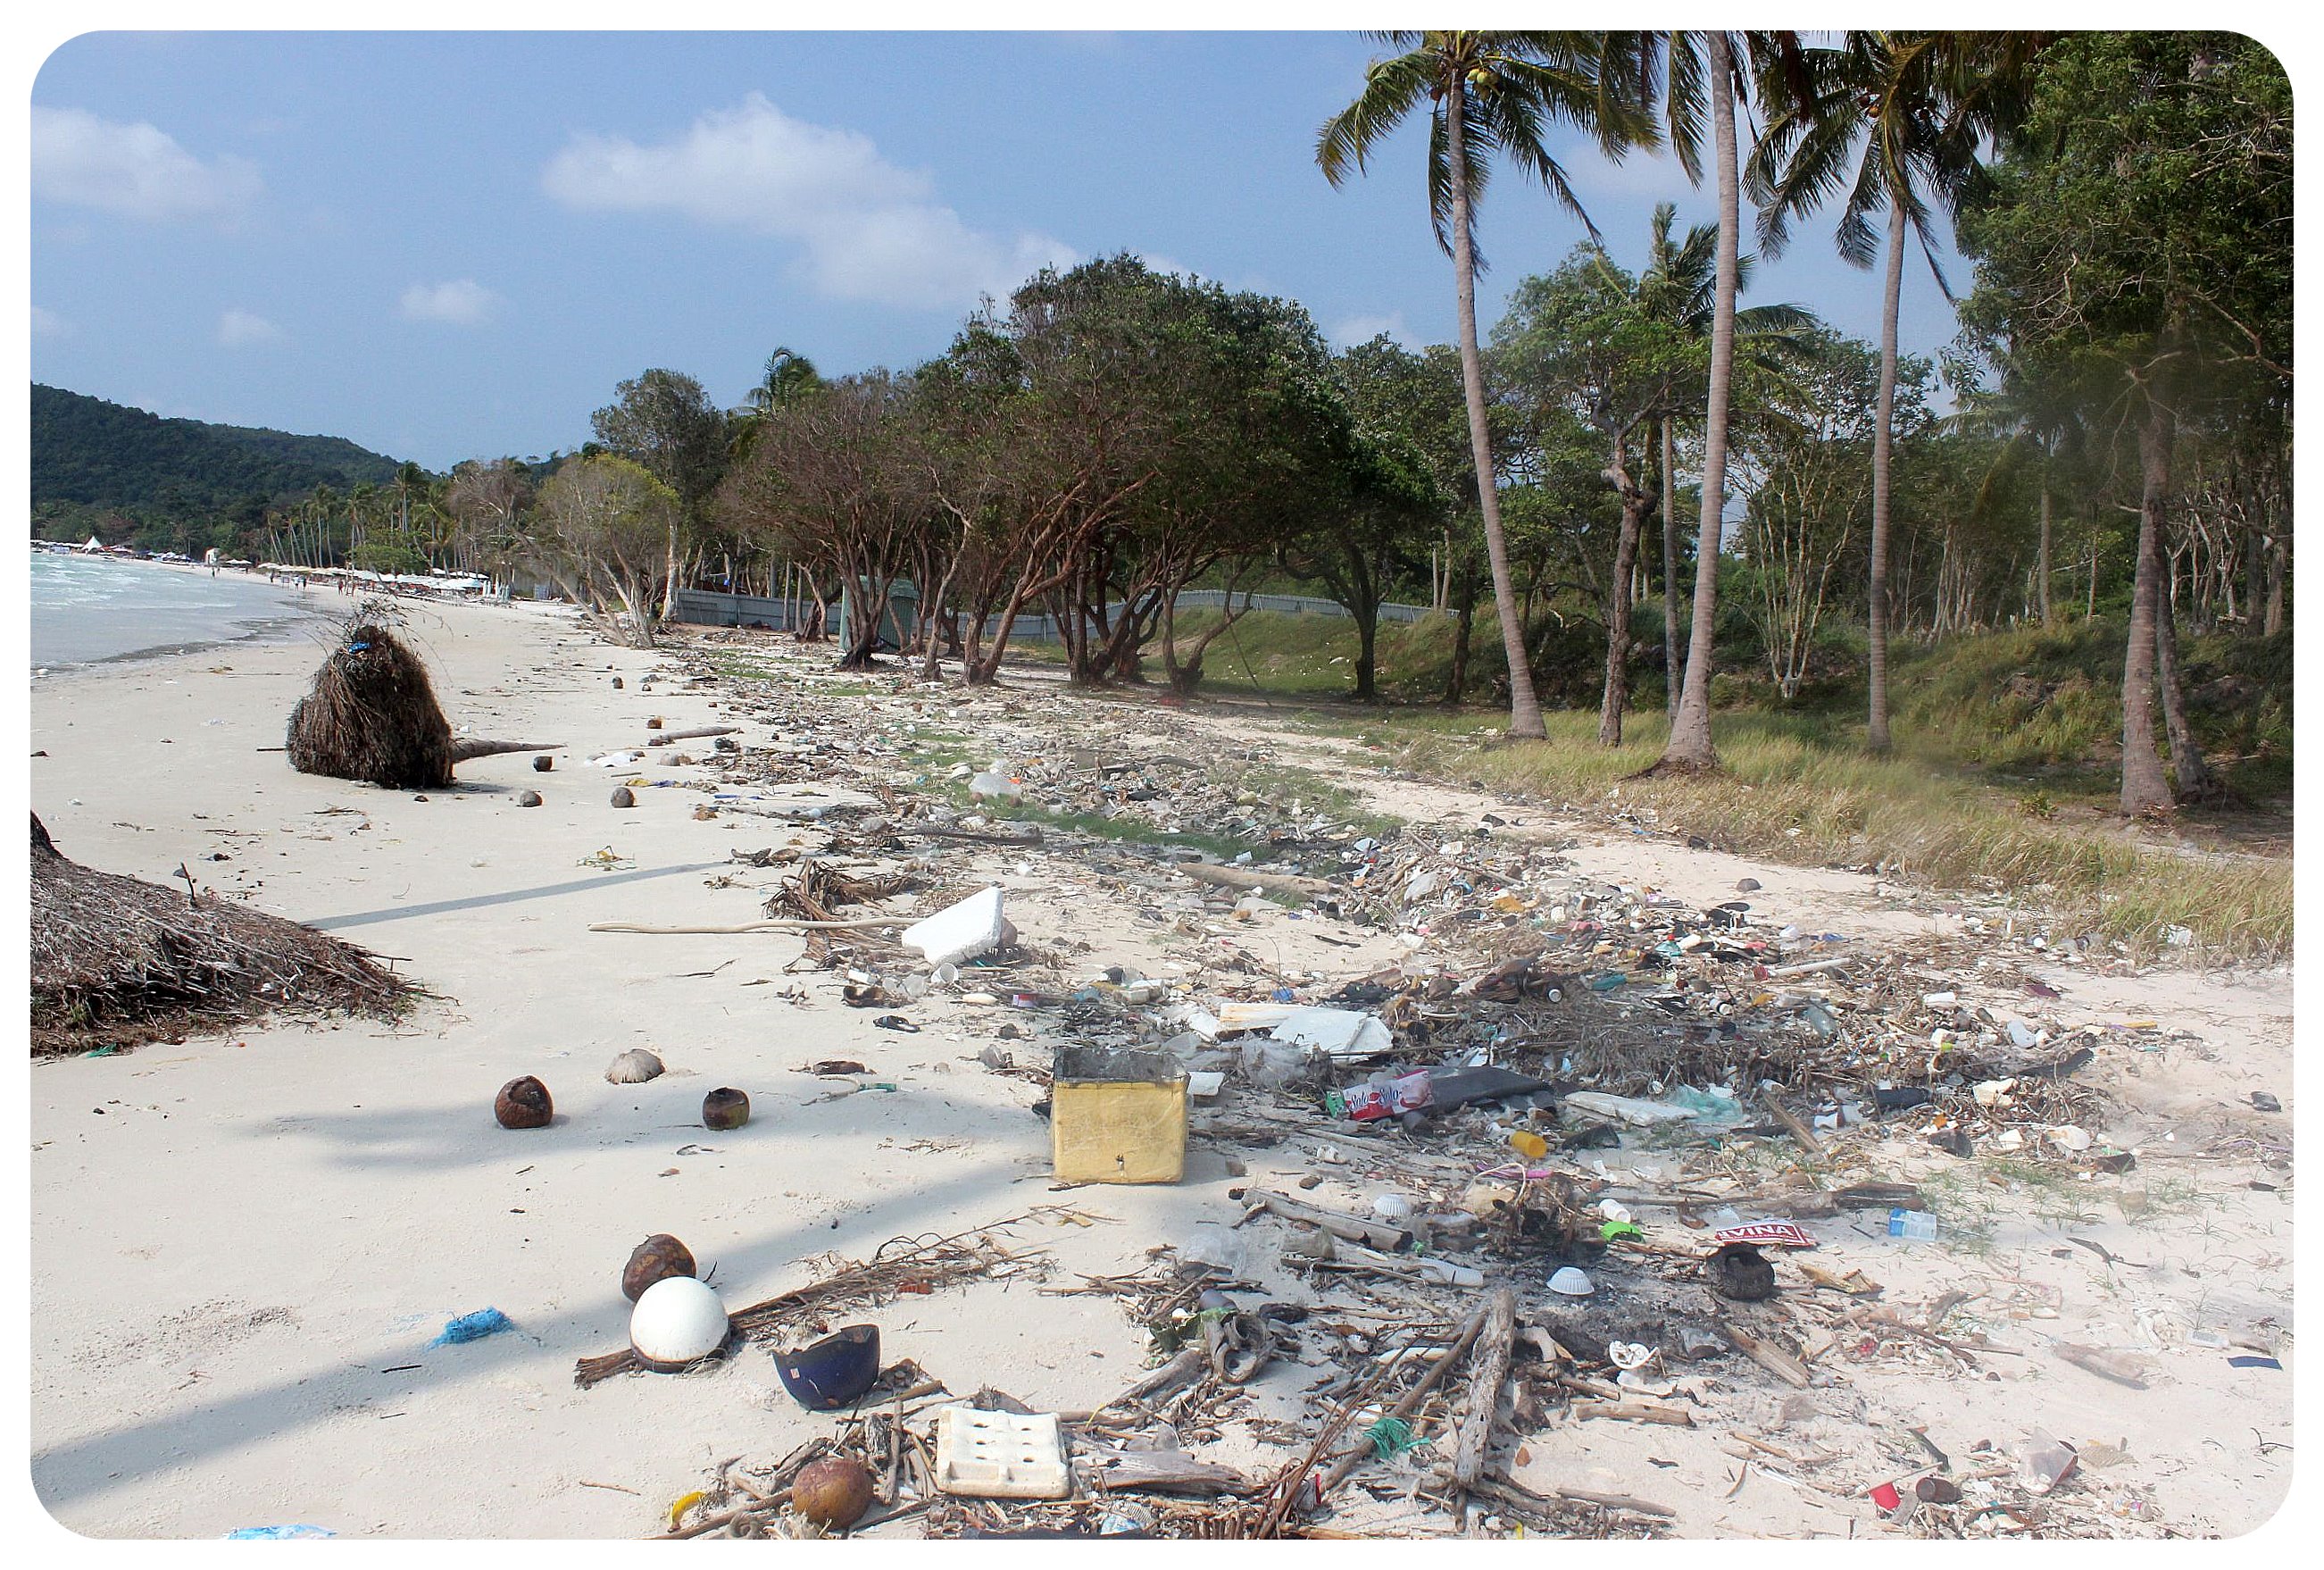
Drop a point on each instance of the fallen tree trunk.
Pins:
(476, 747)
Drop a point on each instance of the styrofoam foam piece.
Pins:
(1204, 1086)
(1341, 1032)
(1000, 1455)
(962, 931)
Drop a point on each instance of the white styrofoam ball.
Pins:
(678, 1319)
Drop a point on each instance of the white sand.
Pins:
(217, 1304)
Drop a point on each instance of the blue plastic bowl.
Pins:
(834, 1371)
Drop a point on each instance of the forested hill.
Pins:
(88, 452)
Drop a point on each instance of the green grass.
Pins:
(1790, 789)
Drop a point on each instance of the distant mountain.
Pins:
(90, 453)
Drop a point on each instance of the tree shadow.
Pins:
(512, 897)
(544, 1346)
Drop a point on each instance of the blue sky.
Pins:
(446, 245)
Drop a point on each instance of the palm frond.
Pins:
(1392, 88)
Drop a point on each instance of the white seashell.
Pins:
(634, 1066)
(677, 1320)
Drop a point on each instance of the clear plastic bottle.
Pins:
(1911, 1226)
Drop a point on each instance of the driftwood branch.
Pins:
(477, 747)
(1487, 1371)
(1266, 882)
(1391, 1240)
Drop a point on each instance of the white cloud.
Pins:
(1349, 331)
(463, 302)
(138, 170)
(48, 324)
(866, 228)
(238, 329)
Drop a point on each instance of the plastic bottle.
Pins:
(1911, 1226)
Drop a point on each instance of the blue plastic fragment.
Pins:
(2254, 1362)
(277, 1534)
(474, 1326)
(1283, 994)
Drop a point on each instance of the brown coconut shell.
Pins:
(523, 1103)
(657, 1259)
(725, 1108)
(833, 1492)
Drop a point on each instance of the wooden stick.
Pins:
(1613, 1502)
(1635, 1412)
(1487, 1371)
(477, 747)
(781, 924)
(1393, 1240)
(1790, 1119)
(1768, 1356)
(1267, 882)
(664, 738)
(1030, 835)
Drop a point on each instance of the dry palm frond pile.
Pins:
(901, 1266)
(116, 960)
(371, 714)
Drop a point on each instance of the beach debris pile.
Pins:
(1538, 1151)
(116, 960)
(371, 713)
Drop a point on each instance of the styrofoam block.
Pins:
(1000, 1455)
(1341, 1032)
(962, 931)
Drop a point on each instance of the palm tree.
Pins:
(1909, 110)
(2031, 409)
(1702, 73)
(1489, 92)
(789, 375)
(1679, 285)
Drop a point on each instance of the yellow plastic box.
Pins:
(1117, 1116)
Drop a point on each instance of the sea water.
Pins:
(87, 608)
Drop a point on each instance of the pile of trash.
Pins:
(1559, 1150)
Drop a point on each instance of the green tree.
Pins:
(1909, 111)
(1696, 78)
(1679, 285)
(605, 520)
(1488, 93)
(2137, 227)
(1580, 343)
(663, 422)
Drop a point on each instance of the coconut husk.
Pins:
(116, 961)
(372, 712)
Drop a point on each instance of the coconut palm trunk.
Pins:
(1673, 676)
(1689, 738)
(2042, 599)
(1876, 614)
(2143, 787)
(1525, 708)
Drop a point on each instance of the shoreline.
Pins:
(255, 629)
(284, 1218)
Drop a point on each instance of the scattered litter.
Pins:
(474, 1326)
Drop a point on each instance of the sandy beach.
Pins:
(242, 1247)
